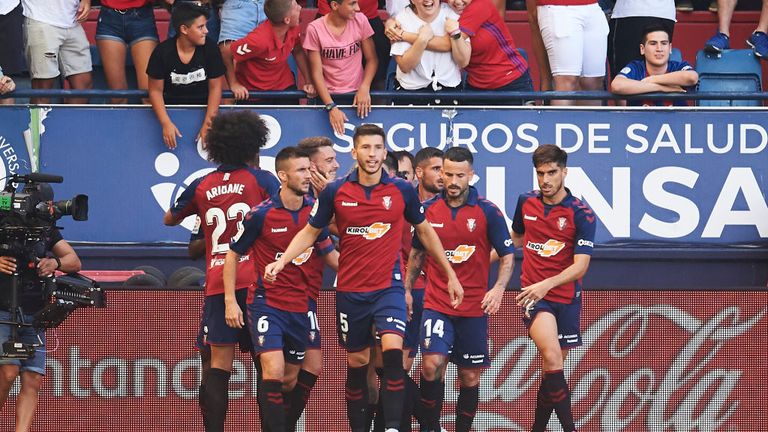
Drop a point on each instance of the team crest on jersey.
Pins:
(312, 336)
(387, 202)
(301, 259)
(460, 254)
(344, 337)
(261, 340)
(371, 232)
(427, 341)
(549, 249)
(561, 223)
(471, 224)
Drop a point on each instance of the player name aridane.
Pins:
(231, 188)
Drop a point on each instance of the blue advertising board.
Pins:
(652, 176)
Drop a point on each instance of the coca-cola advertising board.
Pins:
(651, 361)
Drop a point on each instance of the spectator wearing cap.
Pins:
(483, 46)
(261, 58)
(574, 34)
(238, 18)
(186, 69)
(420, 68)
(336, 45)
(655, 72)
(628, 22)
(123, 25)
(56, 45)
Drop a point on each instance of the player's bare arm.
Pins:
(233, 315)
(535, 292)
(303, 239)
(415, 265)
(170, 220)
(434, 247)
(492, 300)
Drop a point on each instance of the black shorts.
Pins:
(12, 48)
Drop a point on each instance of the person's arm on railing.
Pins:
(303, 65)
(335, 115)
(627, 86)
(683, 78)
(362, 98)
(214, 100)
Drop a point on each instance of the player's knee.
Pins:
(469, 377)
(313, 363)
(358, 359)
(431, 365)
(551, 359)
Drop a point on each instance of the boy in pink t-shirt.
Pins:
(337, 44)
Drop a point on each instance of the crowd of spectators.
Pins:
(257, 45)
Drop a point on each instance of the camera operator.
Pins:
(59, 256)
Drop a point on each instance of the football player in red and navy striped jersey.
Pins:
(370, 209)
(469, 227)
(221, 199)
(557, 232)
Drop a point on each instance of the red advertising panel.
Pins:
(651, 361)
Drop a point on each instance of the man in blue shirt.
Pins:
(656, 73)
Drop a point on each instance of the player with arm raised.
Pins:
(370, 209)
(222, 199)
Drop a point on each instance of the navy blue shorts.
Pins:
(214, 329)
(313, 342)
(413, 328)
(568, 317)
(357, 312)
(273, 329)
(464, 340)
(127, 26)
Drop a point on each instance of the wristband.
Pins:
(330, 106)
(456, 34)
(58, 262)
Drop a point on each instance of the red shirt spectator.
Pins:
(262, 58)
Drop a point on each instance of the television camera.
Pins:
(27, 222)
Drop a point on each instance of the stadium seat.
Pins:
(676, 55)
(736, 71)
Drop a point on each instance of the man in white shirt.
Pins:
(56, 44)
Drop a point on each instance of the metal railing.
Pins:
(491, 96)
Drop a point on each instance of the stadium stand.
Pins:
(737, 71)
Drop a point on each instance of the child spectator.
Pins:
(575, 37)
(186, 69)
(370, 8)
(213, 25)
(418, 67)
(337, 44)
(56, 44)
(261, 58)
(125, 24)
(238, 18)
(758, 40)
(655, 73)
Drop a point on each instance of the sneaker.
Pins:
(717, 43)
(713, 6)
(759, 43)
(684, 5)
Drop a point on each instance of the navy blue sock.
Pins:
(466, 407)
(393, 387)
(356, 395)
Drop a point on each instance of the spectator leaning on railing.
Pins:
(627, 25)
(125, 24)
(238, 17)
(185, 70)
(758, 40)
(261, 58)
(419, 67)
(575, 37)
(337, 44)
(56, 44)
(482, 44)
(655, 73)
